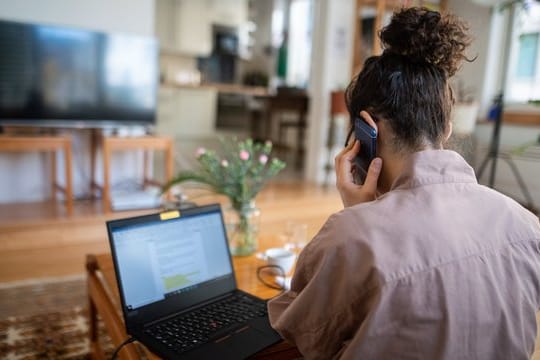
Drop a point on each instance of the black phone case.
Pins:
(367, 136)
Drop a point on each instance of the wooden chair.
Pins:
(290, 106)
(146, 143)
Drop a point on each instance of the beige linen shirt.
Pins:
(438, 268)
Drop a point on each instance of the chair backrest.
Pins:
(290, 91)
(288, 103)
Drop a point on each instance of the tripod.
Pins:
(493, 154)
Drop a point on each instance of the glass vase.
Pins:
(242, 222)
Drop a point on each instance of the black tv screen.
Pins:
(57, 76)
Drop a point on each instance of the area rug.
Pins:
(46, 319)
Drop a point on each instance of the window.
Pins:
(524, 68)
(526, 63)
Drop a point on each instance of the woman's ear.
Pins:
(448, 131)
(367, 118)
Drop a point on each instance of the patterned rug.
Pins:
(46, 319)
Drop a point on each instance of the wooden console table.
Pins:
(104, 300)
(50, 144)
(513, 117)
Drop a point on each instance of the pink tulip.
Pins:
(200, 152)
(263, 159)
(224, 163)
(244, 155)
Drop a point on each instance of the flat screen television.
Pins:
(66, 77)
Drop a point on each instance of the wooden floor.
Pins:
(40, 240)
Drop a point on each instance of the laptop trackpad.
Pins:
(244, 342)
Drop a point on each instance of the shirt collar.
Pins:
(434, 167)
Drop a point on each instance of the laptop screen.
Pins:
(159, 259)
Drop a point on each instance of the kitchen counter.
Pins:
(222, 88)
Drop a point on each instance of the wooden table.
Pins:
(104, 300)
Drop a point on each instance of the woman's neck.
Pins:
(395, 160)
(392, 168)
(393, 164)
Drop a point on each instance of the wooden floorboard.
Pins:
(39, 240)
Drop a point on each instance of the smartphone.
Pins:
(367, 136)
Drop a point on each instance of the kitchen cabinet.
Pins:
(232, 13)
(193, 29)
(186, 113)
(184, 26)
(164, 23)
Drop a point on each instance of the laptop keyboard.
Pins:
(210, 322)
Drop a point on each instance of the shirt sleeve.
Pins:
(326, 302)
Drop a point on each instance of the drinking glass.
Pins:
(295, 236)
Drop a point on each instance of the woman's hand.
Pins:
(352, 194)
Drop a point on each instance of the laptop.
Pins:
(178, 289)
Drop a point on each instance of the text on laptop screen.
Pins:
(162, 258)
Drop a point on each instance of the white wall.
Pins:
(127, 16)
(24, 176)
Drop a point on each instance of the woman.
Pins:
(423, 262)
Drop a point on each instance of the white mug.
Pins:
(281, 257)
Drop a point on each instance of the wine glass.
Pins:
(295, 236)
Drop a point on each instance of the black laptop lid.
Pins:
(168, 262)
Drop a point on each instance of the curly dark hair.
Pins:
(407, 85)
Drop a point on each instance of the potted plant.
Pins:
(239, 172)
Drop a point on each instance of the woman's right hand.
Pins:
(351, 193)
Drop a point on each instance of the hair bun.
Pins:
(423, 35)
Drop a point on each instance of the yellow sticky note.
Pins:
(169, 215)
